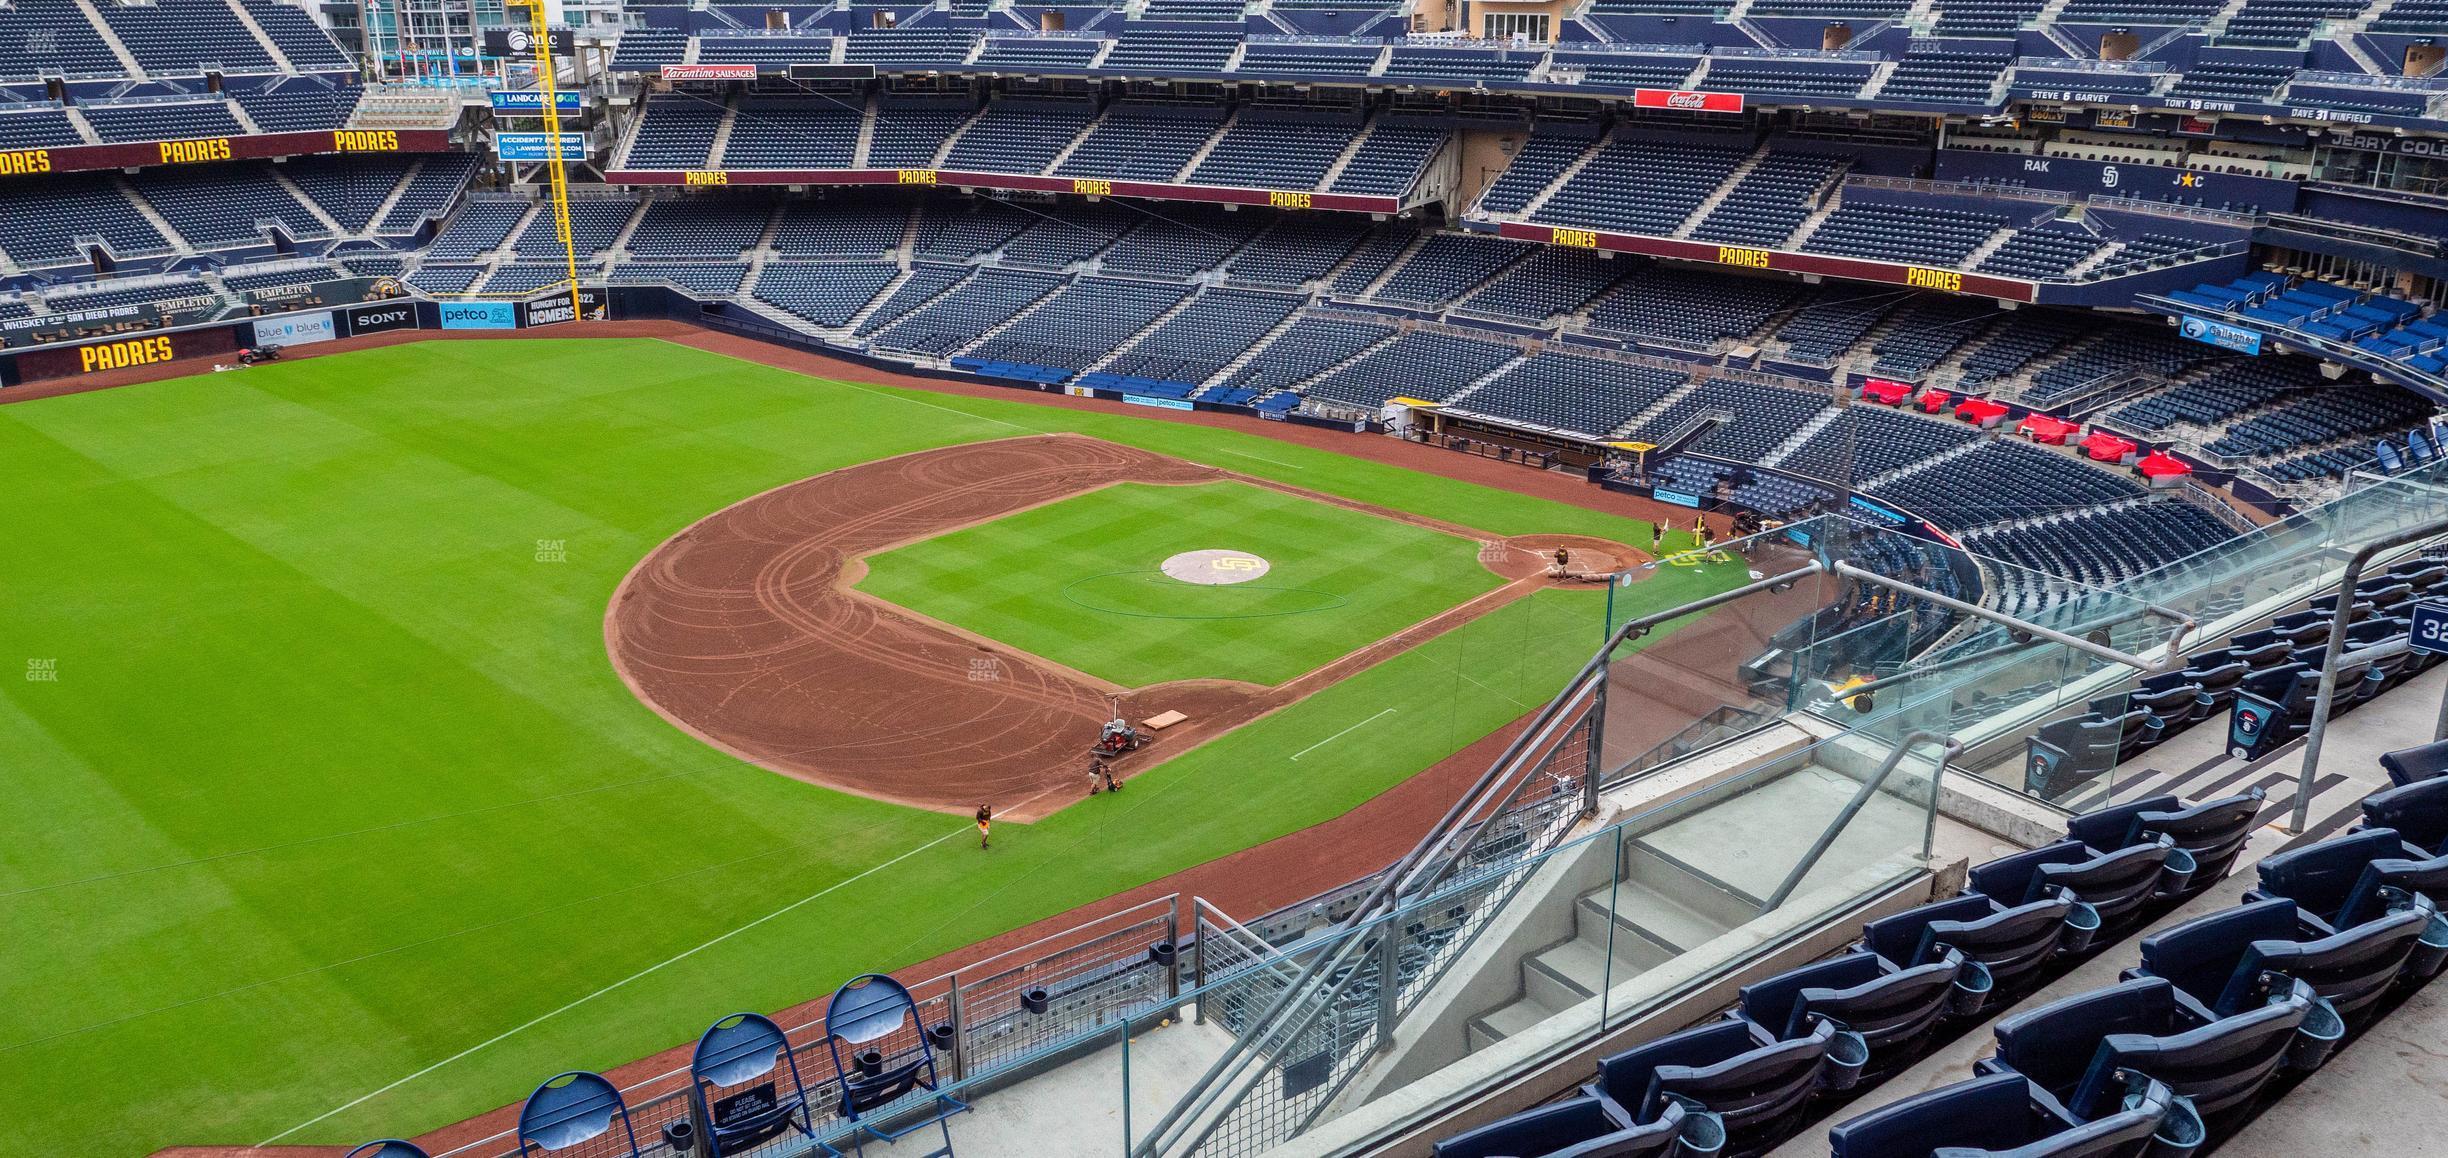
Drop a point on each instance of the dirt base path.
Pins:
(745, 631)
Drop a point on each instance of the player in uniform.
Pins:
(985, 819)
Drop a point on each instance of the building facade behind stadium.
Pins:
(2078, 356)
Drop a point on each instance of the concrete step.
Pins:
(1663, 874)
(1661, 918)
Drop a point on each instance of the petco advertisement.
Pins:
(479, 315)
(296, 329)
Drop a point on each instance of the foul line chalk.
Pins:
(1339, 735)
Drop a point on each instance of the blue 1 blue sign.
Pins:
(2430, 632)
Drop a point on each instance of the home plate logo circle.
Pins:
(1215, 568)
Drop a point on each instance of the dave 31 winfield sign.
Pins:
(1690, 102)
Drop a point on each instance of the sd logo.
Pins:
(1237, 563)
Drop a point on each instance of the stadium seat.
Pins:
(1757, 1085)
(1892, 1009)
(1588, 1126)
(2418, 811)
(2421, 762)
(2012, 943)
(2075, 1050)
(2221, 964)
(2213, 831)
(2003, 1115)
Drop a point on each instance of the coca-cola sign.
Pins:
(1690, 102)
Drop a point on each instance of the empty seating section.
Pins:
(1991, 18)
(1019, 52)
(1749, 419)
(1418, 364)
(703, 227)
(162, 121)
(1581, 395)
(1642, 186)
(39, 128)
(2089, 370)
(529, 277)
(1542, 158)
(793, 133)
(1691, 307)
(1376, 253)
(186, 37)
(594, 223)
(1770, 201)
(1388, 161)
(2320, 417)
(1833, 9)
(766, 49)
(1018, 136)
(1552, 281)
(299, 106)
(924, 284)
(306, 45)
(908, 137)
(349, 188)
(675, 132)
(2024, 336)
(432, 191)
(1916, 233)
(840, 227)
(1144, 142)
(1823, 329)
(648, 49)
(1306, 349)
(1925, 332)
(1772, 494)
(2004, 481)
(2232, 81)
(1626, 71)
(183, 293)
(1297, 250)
(1219, 11)
(1198, 342)
(1774, 78)
(1158, 54)
(52, 38)
(225, 206)
(701, 279)
(1268, 149)
(2418, 16)
(1447, 265)
(1181, 242)
(480, 228)
(2164, 13)
(2220, 395)
(1864, 442)
(1945, 77)
(824, 295)
(1055, 242)
(1460, 66)
(2105, 547)
(986, 300)
(1263, 58)
(1083, 323)
(958, 230)
(2393, 102)
(2285, 23)
(933, 44)
(445, 279)
(2046, 251)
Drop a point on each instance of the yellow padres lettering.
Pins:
(1576, 238)
(705, 177)
(1285, 199)
(18, 162)
(365, 141)
(1937, 279)
(133, 352)
(1746, 258)
(917, 176)
(1090, 187)
(184, 152)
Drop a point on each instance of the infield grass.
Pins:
(327, 819)
(1078, 581)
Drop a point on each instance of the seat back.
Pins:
(2115, 883)
(2390, 880)
(2011, 942)
(2418, 811)
(2320, 877)
(2114, 827)
(2053, 1044)
(2352, 968)
(1889, 1011)
(1584, 1127)
(2422, 762)
(2199, 956)
(1725, 1070)
(1995, 1117)
(2219, 1066)
(2213, 831)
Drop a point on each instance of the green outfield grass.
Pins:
(1077, 582)
(328, 819)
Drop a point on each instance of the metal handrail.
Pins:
(1949, 748)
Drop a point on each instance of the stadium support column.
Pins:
(548, 83)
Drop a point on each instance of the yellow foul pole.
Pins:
(559, 179)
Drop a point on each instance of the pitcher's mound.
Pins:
(1213, 568)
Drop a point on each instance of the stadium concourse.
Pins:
(1856, 577)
